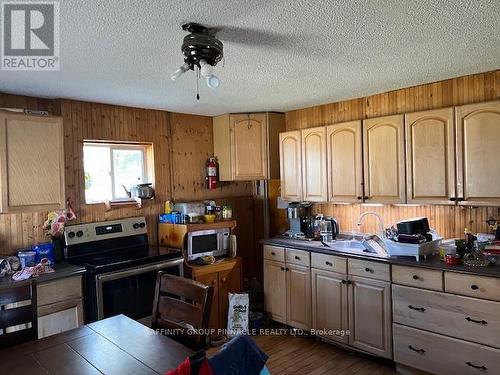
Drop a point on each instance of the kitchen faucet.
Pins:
(381, 222)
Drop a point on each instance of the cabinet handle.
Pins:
(287, 269)
(368, 270)
(223, 279)
(483, 322)
(349, 282)
(474, 287)
(421, 309)
(296, 257)
(366, 198)
(282, 268)
(421, 351)
(359, 198)
(273, 253)
(461, 199)
(415, 277)
(475, 366)
(329, 263)
(452, 199)
(344, 282)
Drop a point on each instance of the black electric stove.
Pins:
(121, 266)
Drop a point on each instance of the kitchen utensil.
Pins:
(419, 225)
(142, 191)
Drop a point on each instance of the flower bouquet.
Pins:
(56, 220)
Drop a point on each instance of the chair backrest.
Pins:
(181, 304)
(18, 316)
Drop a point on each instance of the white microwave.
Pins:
(213, 242)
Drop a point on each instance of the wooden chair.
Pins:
(182, 304)
(12, 315)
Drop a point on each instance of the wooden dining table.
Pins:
(116, 345)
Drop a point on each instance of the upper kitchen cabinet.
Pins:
(344, 156)
(478, 170)
(290, 165)
(430, 157)
(246, 145)
(384, 161)
(31, 163)
(314, 183)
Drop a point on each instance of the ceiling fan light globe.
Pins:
(212, 81)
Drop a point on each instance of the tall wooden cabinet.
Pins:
(430, 156)
(291, 165)
(226, 277)
(246, 145)
(384, 159)
(478, 169)
(31, 163)
(344, 160)
(314, 183)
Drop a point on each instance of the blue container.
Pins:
(26, 258)
(45, 250)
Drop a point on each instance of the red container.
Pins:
(453, 259)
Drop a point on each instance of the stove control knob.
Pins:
(79, 233)
(136, 226)
(71, 234)
(142, 225)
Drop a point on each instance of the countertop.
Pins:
(61, 271)
(432, 262)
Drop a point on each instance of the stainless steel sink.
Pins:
(352, 247)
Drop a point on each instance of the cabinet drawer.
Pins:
(417, 277)
(59, 290)
(443, 355)
(299, 257)
(274, 253)
(329, 262)
(474, 286)
(366, 268)
(462, 317)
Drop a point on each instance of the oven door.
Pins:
(131, 291)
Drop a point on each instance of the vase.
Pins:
(58, 248)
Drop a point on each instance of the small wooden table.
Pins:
(117, 345)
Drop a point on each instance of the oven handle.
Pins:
(137, 271)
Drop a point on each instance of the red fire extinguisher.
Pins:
(211, 173)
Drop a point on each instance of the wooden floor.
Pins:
(290, 355)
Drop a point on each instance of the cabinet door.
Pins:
(344, 162)
(291, 166)
(329, 304)
(370, 316)
(31, 163)
(212, 279)
(298, 296)
(249, 146)
(478, 169)
(275, 290)
(59, 317)
(384, 168)
(314, 183)
(430, 157)
(229, 282)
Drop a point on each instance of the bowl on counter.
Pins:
(209, 218)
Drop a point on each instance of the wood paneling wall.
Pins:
(449, 221)
(181, 145)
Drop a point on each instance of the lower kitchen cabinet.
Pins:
(370, 315)
(298, 296)
(287, 286)
(59, 305)
(275, 290)
(329, 305)
(225, 277)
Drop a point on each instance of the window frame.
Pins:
(146, 164)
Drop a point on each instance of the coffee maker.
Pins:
(298, 215)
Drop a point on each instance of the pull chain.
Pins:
(197, 83)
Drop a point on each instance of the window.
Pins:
(112, 168)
